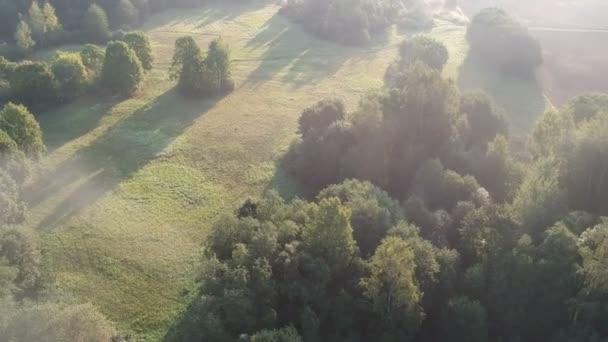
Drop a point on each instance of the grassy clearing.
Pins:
(131, 187)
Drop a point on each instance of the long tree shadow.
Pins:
(522, 98)
(117, 155)
(288, 49)
(72, 120)
(202, 16)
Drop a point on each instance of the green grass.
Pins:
(130, 187)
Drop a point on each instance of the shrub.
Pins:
(33, 83)
(140, 44)
(70, 73)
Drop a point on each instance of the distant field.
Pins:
(562, 13)
(574, 37)
(575, 62)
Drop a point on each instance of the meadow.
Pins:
(130, 187)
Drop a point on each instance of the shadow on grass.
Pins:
(301, 58)
(521, 98)
(72, 121)
(121, 152)
(202, 16)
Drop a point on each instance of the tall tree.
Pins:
(140, 44)
(95, 24)
(23, 36)
(391, 287)
(122, 71)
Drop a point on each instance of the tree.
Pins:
(122, 71)
(140, 44)
(465, 321)
(330, 236)
(424, 49)
(218, 63)
(485, 121)
(316, 119)
(22, 127)
(125, 14)
(23, 36)
(70, 73)
(492, 31)
(37, 21)
(33, 83)
(92, 58)
(391, 287)
(585, 171)
(95, 24)
(186, 66)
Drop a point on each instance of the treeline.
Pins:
(356, 21)
(30, 24)
(445, 236)
(119, 69)
(29, 309)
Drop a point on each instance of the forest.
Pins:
(306, 171)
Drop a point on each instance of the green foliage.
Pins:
(492, 32)
(424, 49)
(22, 127)
(485, 121)
(585, 170)
(584, 107)
(43, 21)
(140, 44)
(12, 209)
(70, 73)
(539, 201)
(392, 289)
(23, 36)
(122, 71)
(95, 25)
(92, 58)
(329, 235)
(465, 321)
(125, 14)
(33, 83)
(347, 22)
(288, 334)
(201, 74)
(318, 118)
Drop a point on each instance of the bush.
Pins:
(122, 71)
(92, 58)
(70, 73)
(22, 127)
(33, 83)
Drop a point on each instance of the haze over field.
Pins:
(303, 171)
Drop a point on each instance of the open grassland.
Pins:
(130, 187)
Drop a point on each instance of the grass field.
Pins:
(130, 187)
